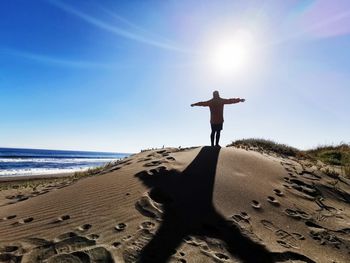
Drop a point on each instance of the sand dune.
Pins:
(183, 205)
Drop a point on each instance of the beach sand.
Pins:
(182, 205)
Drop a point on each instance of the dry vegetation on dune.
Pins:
(93, 170)
(334, 155)
(337, 156)
(108, 167)
(266, 145)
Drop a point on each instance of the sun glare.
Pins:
(232, 54)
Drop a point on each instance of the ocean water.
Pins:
(27, 162)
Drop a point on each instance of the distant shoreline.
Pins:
(60, 150)
(34, 163)
(22, 178)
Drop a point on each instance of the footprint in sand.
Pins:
(98, 254)
(278, 192)
(23, 221)
(144, 160)
(170, 158)
(68, 247)
(298, 236)
(64, 258)
(93, 236)
(273, 201)
(285, 244)
(221, 256)
(65, 236)
(147, 225)
(242, 217)
(73, 244)
(160, 169)
(148, 208)
(255, 204)
(84, 227)
(284, 238)
(292, 175)
(23, 198)
(9, 258)
(297, 214)
(120, 227)
(302, 189)
(134, 245)
(116, 244)
(245, 215)
(126, 238)
(18, 197)
(310, 175)
(61, 219)
(286, 163)
(286, 179)
(305, 188)
(288, 169)
(267, 224)
(215, 256)
(286, 186)
(65, 217)
(193, 241)
(8, 249)
(323, 235)
(153, 163)
(288, 240)
(8, 217)
(312, 224)
(188, 239)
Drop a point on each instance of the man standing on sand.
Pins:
(216, 106)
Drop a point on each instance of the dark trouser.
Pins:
(215, 130)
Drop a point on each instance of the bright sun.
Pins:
(230, 55)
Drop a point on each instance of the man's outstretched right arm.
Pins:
(202, 103)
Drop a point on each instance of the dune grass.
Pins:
(31, 183)
(94, 170)
(34, 183)
(333, 155)
(338, 155)
(266, 145)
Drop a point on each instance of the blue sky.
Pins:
(121, 75)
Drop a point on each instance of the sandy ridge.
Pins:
(183, 205)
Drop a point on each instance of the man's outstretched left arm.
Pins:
(234, 100)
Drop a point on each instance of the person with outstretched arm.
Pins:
(216, 106)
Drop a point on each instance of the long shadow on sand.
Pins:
(187, 200)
